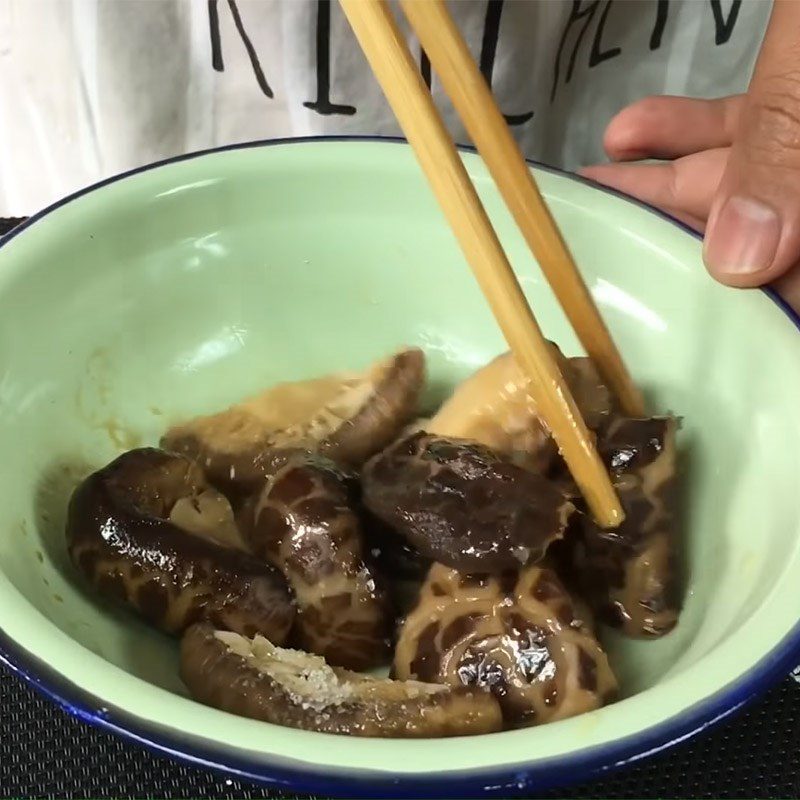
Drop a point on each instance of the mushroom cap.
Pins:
(124, 534)
(253, 678)
(459, 503)
(346, 417)
(519, 636)
(304, 523)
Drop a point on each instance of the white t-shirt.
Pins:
(89, 88)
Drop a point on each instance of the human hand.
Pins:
(732, 166)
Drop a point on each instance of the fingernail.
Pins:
(743, 238)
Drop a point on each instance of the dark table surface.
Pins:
(46, 753)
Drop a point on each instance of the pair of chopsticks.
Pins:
(388, 55)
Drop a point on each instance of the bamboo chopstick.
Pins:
(475, 104)
(391, 62)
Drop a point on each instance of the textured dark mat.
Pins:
(46, 753)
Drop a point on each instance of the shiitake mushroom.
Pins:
(346, 417)
(519, 636)
(629, 574)
(253, 678)
(461, 504)
(492, 632)
(304, 522)
(495, 407)
(149, 531)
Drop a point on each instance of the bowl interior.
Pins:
(182, 289)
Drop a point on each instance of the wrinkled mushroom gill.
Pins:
(304, 523)
(517, 636)
(629, 574)
(138, 530)
(346, 417)
(461, 504)
(495, 407)
(253, 678)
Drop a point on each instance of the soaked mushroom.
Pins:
(628, 574)
(251, 531)
(461, 504)
(149, 531)
(495, 407)
(304, 523)
(255, 679)
(345, 416)
(518, 636)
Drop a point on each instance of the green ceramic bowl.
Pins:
(181, 288)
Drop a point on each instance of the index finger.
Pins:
(671, 127)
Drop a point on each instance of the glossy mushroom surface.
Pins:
(629, 574)
(495, 407)
(519, 636)
(147, 530)
(461, 504)
(346, 416)
(253, 678)
(304, 522)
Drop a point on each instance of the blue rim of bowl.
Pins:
(363, 783)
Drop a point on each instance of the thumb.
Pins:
(753, 232)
